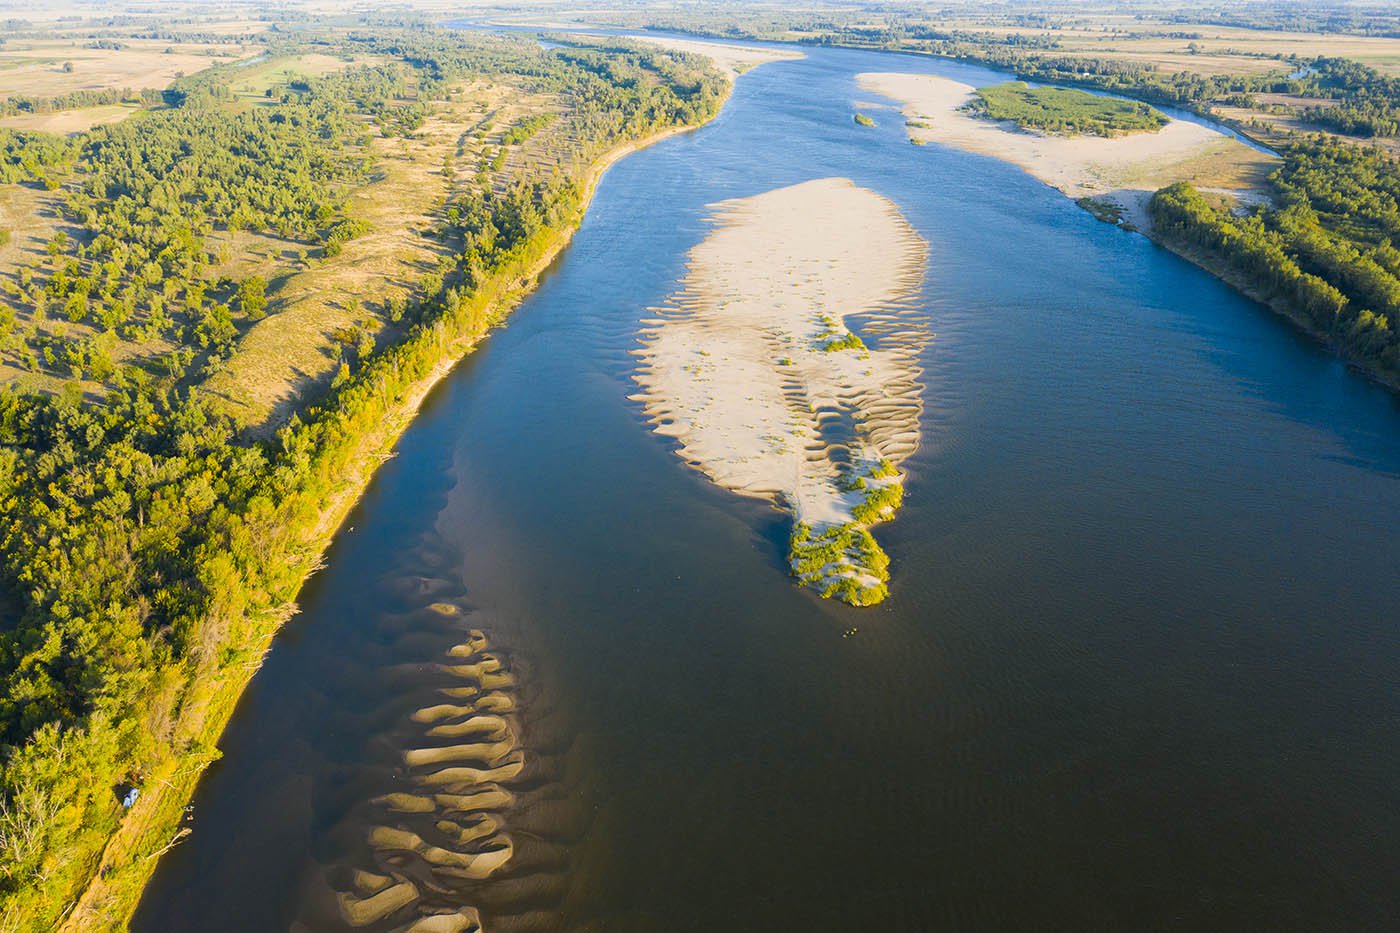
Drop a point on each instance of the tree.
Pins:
(252, 300)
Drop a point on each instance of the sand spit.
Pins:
(1123, 171)
(450, 826)
(753, 368)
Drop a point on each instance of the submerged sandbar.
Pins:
(753, 367)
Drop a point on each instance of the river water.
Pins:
(1138, 668)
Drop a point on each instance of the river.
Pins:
(1138, 667)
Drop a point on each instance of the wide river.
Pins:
(1140, 667)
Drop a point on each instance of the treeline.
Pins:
(1326, 252)
(1362, 19)
(147, 550)
(1368, 101)
(526, 128)
(19, 104)
(1117, 76)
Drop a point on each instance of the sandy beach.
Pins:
(1123, 171)
(754, 370)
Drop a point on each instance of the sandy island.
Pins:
(1123, 171)
(754, 370)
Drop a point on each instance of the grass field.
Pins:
(67, 122)
(257, 77)
(35, 67)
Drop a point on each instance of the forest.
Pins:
(148, 548)
(1325, 252)
(1368, 103)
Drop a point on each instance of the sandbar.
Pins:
(1122, 171)
(754, 369)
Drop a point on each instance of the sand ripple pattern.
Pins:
(449, 826)
(786, 366)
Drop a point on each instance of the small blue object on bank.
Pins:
(130, 797)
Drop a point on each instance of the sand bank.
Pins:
(733, 60)
(754, 370)
(1123, 171)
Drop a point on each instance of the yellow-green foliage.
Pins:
(1064, 110)
(878, 503)
(147, 550)
(846, 341)
(830, 560)
(884, 469)
(526, 128)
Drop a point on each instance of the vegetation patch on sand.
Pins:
(1124, 170)
(1064, 110)
(754, 370)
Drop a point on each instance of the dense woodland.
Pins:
(1325, 252)
(1368, 103)
(147, 549)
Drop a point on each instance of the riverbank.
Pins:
(1115, 179)
(1279, 305)
(754, 369)
(153, 824)
(731, 60)
(1116, 175)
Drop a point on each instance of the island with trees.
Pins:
(1067, 111)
